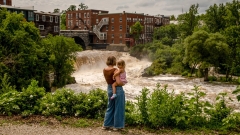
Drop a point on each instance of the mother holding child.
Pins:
(115, 78)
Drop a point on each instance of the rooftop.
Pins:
(19, 8)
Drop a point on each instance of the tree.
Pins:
(214, 18)
(57, 10)
(206, 50)
(136, 31)
(62, 52)
(21, 56)
(188, 21)
(82, 6)
(72, 8)
(233, 13)
(166, 34)
(172, 17)
(232, 35)
(63, 20)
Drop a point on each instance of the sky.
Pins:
(151, 7)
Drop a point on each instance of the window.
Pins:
(41, 27)
(79, 15)
(4, 2)
(127, 27)
(30, 14)
(69, 16)
(87, 15)
(120, 27)
(51, 19)
(76, 15)
(56, 19)
(112, 28)
(43, 18)
(106, 28)
(69, 23)
(96, 20)
(37, 17)
(112, 20)
(84, 15)
(88, 22)
(113, 41)
(120, 41)
(55, 28)
(76, 23)
(112, 35)
(84, 21)
(120, 19)
(120, 36)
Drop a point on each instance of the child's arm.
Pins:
(116, 73)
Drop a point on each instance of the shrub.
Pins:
(25, 102)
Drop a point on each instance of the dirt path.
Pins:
(39, 125)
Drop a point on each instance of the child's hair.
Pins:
(121, 63)
(111, 60)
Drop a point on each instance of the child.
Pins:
(122, 75)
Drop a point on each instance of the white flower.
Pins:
(89, 99)
(31, 96)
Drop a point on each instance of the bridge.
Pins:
(81, 37)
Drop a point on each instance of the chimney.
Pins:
(123, 12)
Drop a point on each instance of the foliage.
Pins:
(5, 84)
(136, 30)
(214, 18)
(72, 8)
(63, 21)
(82, 6)
(205, 50)
(62, 51)
(166, 34)
(220, 111)
(188, 21)
(57, 10)
(25, 102)
(232, 122)
(237, 91)
(21, 56)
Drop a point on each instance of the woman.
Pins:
(115, 114)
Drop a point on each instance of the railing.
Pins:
(100, 35)
(97, 28)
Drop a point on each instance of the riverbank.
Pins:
(40, 125)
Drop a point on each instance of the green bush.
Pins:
(232, 122)
(64, 102)
(25, 102)
(212, 78)
(185, 73)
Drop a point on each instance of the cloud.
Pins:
(122, 7)
(152, 7)
(146, 4)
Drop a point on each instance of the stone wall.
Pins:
(83, 34)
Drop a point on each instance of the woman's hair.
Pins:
(111, 60)
(121, 63)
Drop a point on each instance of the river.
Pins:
(89, 66)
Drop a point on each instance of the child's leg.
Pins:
(114, 90)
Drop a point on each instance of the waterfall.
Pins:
(89, 67)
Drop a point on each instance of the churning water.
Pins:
(89, 75)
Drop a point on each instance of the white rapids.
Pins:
(89, 76)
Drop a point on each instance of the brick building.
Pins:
(113, 28)
(47, 22)
(6, 2)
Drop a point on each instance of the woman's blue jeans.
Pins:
(115, 114)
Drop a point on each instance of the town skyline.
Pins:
(151, 7)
